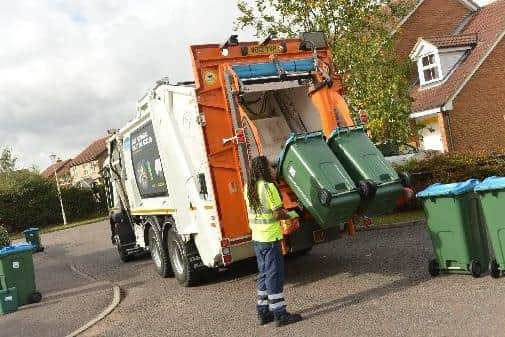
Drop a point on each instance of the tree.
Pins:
(7, 160)
(359, 33)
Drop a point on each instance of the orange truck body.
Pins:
(215, 102)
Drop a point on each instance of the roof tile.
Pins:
(92, 152)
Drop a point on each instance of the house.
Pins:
(457, 48)
(86, 166)
(62, 170)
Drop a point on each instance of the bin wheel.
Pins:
(494, 267)
(367, 188)
(324, 197)
(475, 268)
(36, 297)
(434, 268)
(405, 179)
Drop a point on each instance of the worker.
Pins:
(264, 207)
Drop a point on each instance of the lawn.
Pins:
(400, 217)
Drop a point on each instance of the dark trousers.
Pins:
(270, 277)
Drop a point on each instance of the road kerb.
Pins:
(116, 298)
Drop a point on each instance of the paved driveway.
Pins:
(374, 284)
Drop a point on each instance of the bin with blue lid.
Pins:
(456, 228)
(376, 179)
(492, 198)
(16, 270)
(318, 179)
(32, 235)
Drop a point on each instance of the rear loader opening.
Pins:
(271, 116)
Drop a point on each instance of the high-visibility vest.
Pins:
(264, 227)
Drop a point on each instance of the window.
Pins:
(429, 69)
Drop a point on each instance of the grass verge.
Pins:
(405, 216)
(59, 227)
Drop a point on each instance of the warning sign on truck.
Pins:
(147, 163)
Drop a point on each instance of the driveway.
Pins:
(375, 284)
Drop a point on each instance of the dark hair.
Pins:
(259, 171)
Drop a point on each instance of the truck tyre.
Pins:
(185, 260)
(159, 254)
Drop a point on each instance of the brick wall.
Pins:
(478, 118)
(432, 18)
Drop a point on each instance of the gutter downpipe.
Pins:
(445, 114)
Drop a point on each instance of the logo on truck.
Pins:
(147, 163)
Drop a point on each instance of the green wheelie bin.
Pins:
(456, 228)
(376, 179)
(492, 198)
(16, 270)
(32, 235)
(318, 179)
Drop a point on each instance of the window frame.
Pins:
(435, 65)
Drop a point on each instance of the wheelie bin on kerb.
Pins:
(32, 235)
(318, 179)
(16, 270)
(456, 230)
(375, 177)
(492, 198)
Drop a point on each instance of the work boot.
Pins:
(287, 318)
(266, 318)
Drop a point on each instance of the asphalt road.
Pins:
(375, 284)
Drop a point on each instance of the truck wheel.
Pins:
(158, 254)
(185, 260)
(119, 236)
(123, 255)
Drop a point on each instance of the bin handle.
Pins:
(3, 284)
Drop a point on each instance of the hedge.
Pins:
(454, 167)
(29, 200)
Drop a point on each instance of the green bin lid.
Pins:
(293, 138)
(491, 184)
(338, 131)
(447, 190)
(16, 248)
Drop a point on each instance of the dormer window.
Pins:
(438, 57)
(430, 69)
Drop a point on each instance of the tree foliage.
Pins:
(7, 160)
(29, 200)
(359, 33)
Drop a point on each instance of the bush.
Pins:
(29, 200)
(449, 168)
(4, 237)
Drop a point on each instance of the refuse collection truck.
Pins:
(175, 172)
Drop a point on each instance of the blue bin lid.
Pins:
(447, 190)
(30, 230)
(490, 184)
(16, 248)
